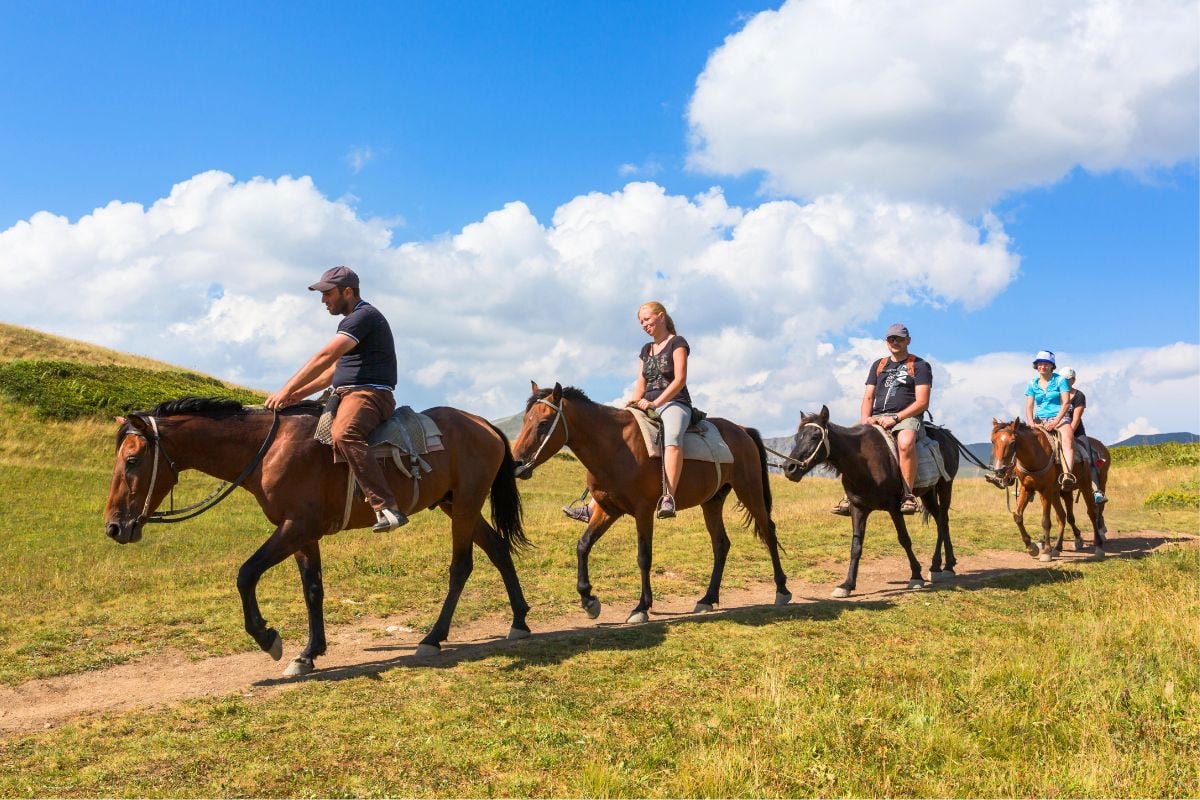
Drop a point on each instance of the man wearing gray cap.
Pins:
(896, 395)
(359, 362)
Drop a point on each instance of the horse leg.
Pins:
(599, 523)
(1044, 553)
(645, 556)
(462, 561)
(308, 560)
(915, 581)
(944, 490)
(858, 521)
(280, 545)
(715, 523)
(755, 504)
(1019, 518)
(489, 541)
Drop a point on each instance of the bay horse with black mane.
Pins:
(625, 479)
(871, 477)
(1026, 454)
(305, 495)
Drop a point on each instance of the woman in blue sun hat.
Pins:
(1047, 406)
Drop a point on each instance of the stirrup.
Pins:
(666, 507)
(388, 519)
(842, 509)
(1067, 481)
(908, 504)
(578, 513)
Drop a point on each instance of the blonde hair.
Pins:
(659, 308)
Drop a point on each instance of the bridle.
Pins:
(558, 415)
(219, 494)
(811, 460)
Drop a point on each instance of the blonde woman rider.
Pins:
(1048, 406)
(661, 386)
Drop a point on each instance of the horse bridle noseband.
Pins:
(219, 494)
(558, 415)
(810, 461)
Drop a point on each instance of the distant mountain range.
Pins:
(1158, 438)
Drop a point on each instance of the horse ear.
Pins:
(138, 423)
(824, 414)
(533, 387)
(557, 392)
(119, 420)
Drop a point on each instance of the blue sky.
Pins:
(419, 120)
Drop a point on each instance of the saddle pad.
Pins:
(930, 467)
(701, 442)
(406, 430)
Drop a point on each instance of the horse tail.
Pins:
(764, 535)
(506, 501)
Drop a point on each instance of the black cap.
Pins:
(340, 277)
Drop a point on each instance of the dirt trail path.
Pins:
(375, 645)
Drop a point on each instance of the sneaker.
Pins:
(666, 507)
(1099, 498)
(578, 513)
(389, 519)
(908, 505)
(1066, 480)
(842, 509)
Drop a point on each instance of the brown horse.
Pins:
(1026, 454)
(624, 479)
(304, 494)
(872, 480)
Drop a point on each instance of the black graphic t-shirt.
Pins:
(659, 370)
(1078, 400)
(895, 389)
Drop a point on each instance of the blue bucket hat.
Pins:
(1044, 355)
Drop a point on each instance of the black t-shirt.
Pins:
(895, 389)
(1078, 400)
(372, 362)
(659, 370)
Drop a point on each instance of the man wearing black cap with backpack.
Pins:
(896, 395)
(359, 362)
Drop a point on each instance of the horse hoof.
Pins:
(1045, 558)
(702, 608)
(298, 666)
(839, 593)
(1098, 555)
(783, 598)
(916, 583)
(942, 575)
(426, 650)
(517, 633)
(637, 618)
(1079, 545)
(1033, 551)
(275, 651)
(592, 608)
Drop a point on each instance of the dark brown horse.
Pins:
(304, 494)
(1027, 454)
(624, 479)
(871, 478)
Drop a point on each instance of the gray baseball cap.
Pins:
(340, 277)
(896, 329)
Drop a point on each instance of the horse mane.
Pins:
(195, 405)
(570, 392)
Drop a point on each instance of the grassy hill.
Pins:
(1078, 680)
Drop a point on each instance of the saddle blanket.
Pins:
(701, 442)
(406, 432)
(930, 467)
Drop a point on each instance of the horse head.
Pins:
(543, 430)
(1005, 438)
(812, 445)
(142, 477)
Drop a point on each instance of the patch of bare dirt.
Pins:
(379, 644)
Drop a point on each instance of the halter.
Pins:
(219, 494)
(558, 414)
(811, 460)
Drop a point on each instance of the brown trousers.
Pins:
(360, 412)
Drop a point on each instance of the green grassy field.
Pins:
(1075, 681)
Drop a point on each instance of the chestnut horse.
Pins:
(871, 478)
(624, 479)
(304, 494)
(1027, 454)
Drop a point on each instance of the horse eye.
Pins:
(132, 461)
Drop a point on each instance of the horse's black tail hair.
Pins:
(764, 535)
(506, 501)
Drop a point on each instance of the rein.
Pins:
(219, 494)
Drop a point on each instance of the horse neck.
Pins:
(1033, 449)
(846, 446)
(220, 447)
(595, 433)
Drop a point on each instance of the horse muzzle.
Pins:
(793, 473)
(524, 470)
(124, 532)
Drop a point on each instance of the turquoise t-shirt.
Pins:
(1048, 401)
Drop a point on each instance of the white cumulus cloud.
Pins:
(953, 103)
